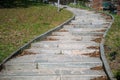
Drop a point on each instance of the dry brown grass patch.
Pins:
(97, 40)
(101, 78)
(26, 53)
(103, 14)
(94, 54)
(102, 30)
(99, 35)
(93, 47)
(63, 30)
(97, 68)
(108, 18)
(51, 39)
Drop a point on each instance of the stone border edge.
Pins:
(102, 51)
(40, 37)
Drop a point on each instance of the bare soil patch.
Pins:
(102, 30)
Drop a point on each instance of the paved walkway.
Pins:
(71, 53)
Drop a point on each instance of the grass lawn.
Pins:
(20, 25)
(112, 47)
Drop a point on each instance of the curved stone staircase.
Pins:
(72, 53)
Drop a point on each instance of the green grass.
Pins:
(112, 46)
(20, 25)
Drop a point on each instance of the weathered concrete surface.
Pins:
(71, 53)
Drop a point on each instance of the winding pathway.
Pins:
(72, 53)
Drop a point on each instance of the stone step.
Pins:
(44, 71)
(86, 77)
(89, 23)
(89, 16)
(58, 51)
(95, 29)
(61, 34)
(47, 77)
(66, 36)
(87, 33)
(39, 65)
(89, 19)
(63, 45)
(66, 58)
(82, 33)
(84, 26)
(52, 77)
(24, 58)
(85, 29)
(67, 47)
(63, 42)
(69, 37)
(58, 57)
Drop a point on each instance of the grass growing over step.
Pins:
(112, 47)
(20, 25)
